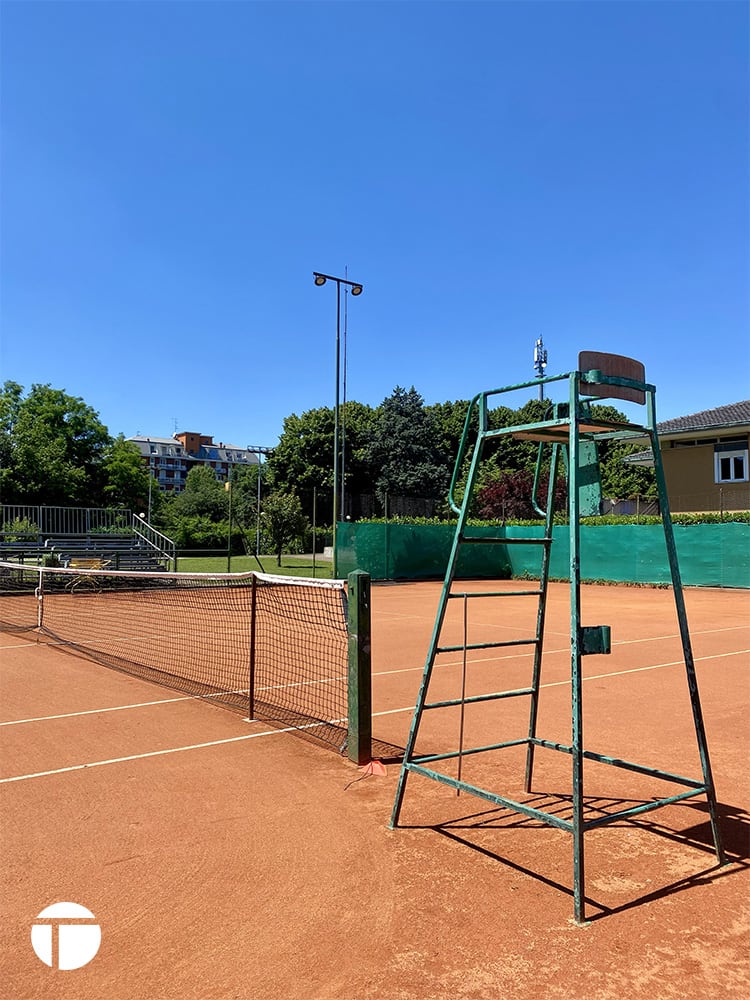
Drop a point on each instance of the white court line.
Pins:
(158, 753)
(379, 673)
(292, 729)
(169, 701)
(121, 708)
(563, 649)
(599, 677)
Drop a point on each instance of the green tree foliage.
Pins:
(126, 477)
(303, 458)
(203, 496)
(449, 418)
(197, 531)
(283, 521)
(619, 480)
(53, 446)
(403, 449)
(11, 397)
(197, 518)
(357, 425)
(245, 494)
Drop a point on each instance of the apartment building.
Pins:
(170, 459)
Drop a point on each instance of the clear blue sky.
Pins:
(172, 173)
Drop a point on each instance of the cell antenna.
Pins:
(540, 363)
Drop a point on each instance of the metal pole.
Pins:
(336, 426)
(342, 507)
(228, 488)
(257, 517)
(315, 525)
(150, 481)
(359, 735)
(321, 279)
(574, 513)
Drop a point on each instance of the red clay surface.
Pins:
(224, 860)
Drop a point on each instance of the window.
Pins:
(730, 463)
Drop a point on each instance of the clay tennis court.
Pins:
(226, 859)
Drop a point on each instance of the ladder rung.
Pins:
(498, 593)
(474, 540)
(479, 697)
(486, 645)
(528, 541)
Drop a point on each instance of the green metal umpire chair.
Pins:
(568, 438)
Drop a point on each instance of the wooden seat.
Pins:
(79, 562)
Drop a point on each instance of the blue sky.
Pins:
(172, 173)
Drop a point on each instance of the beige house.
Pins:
(705, 457)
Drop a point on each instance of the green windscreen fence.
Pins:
(710, 555)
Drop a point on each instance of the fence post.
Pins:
(359, 740)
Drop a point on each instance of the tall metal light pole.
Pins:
(320, 279)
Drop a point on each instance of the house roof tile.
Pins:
(719, 417)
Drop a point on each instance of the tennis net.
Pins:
(273, 647)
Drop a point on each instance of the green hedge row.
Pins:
(733, 516)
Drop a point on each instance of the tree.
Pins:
(403, 449)
(511, 496)
(283, 520)
(203, 496)
(10, 402)
(53, 445)
(450, 418)
(621, 481)
(126, 477)
(357, 424)
(244, 481)
(303, 459)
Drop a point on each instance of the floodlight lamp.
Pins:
(319, 279)
(356, 289)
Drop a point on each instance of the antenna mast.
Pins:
(540, 363)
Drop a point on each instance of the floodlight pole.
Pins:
(258, 470)
(320, 279)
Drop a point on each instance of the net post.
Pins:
(359, 739)
(39, 593)
(251, 665)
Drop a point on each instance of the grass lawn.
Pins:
(290, 565)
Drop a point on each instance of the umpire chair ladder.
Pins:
(572, 432)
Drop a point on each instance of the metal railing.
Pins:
(155, 540)
(720, 500)
(41, 522)
(35, 527)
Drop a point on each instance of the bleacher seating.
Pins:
(108, 551)
(26, 552)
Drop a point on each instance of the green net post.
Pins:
(359, 741)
